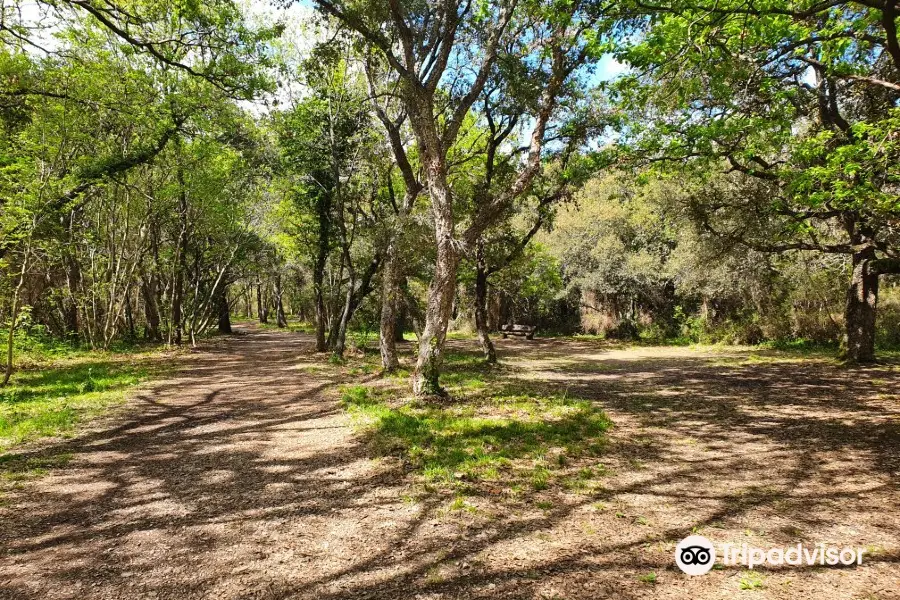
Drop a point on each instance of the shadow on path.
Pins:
(240, 477)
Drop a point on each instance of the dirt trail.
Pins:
(242, 478)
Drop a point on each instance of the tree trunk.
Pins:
(390, 297)
(129, 316)
(338, 336)
(862, 301)
(481, 315)
(262, 313)
(319, 292)
(150, 292)
(356, 294)
(70, 303)
(177, 301)
(180, 269)
(224, 310)
(402, 320)
(279, 304)
(334, 322)
(151, 309)
(14, 317)
(437, 318)
(442, 290)
(70, 316)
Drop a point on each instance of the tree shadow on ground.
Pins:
(238, 478)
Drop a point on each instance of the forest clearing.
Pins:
(539, 299)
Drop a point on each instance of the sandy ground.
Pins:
(241, 477)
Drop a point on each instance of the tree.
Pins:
(797, 98)
(208, 40)
(441, 56)
(65, 134)
(97, 133)
(397, 223)
(498, 246)
(320, 138)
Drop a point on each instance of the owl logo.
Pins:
(695, 555)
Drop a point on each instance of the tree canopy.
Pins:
(422, 166)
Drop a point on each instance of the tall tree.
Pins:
(799, 98)
(87, 122)
(442, 54)
(333, 169)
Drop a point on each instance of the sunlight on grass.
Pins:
(62, 386)
(293, 325)
(505, 436)
(51, 401)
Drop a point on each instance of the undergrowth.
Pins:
(57, 384)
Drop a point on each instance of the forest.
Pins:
(359, 202)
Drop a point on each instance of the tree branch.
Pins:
(487, 63)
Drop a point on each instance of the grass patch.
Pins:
(15, 467)
(294, 326)
(490, 432)
(51, 398)
(751, 580)
(648, 578)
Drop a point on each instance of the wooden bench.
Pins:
(525, 330)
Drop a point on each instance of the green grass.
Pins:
(15, 468)
(489, 432)
(751, 580)
(51, 400)
(891, 354)
(58, 385)
(648, 578)
(293, 326)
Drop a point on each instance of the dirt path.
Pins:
(242, 478)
